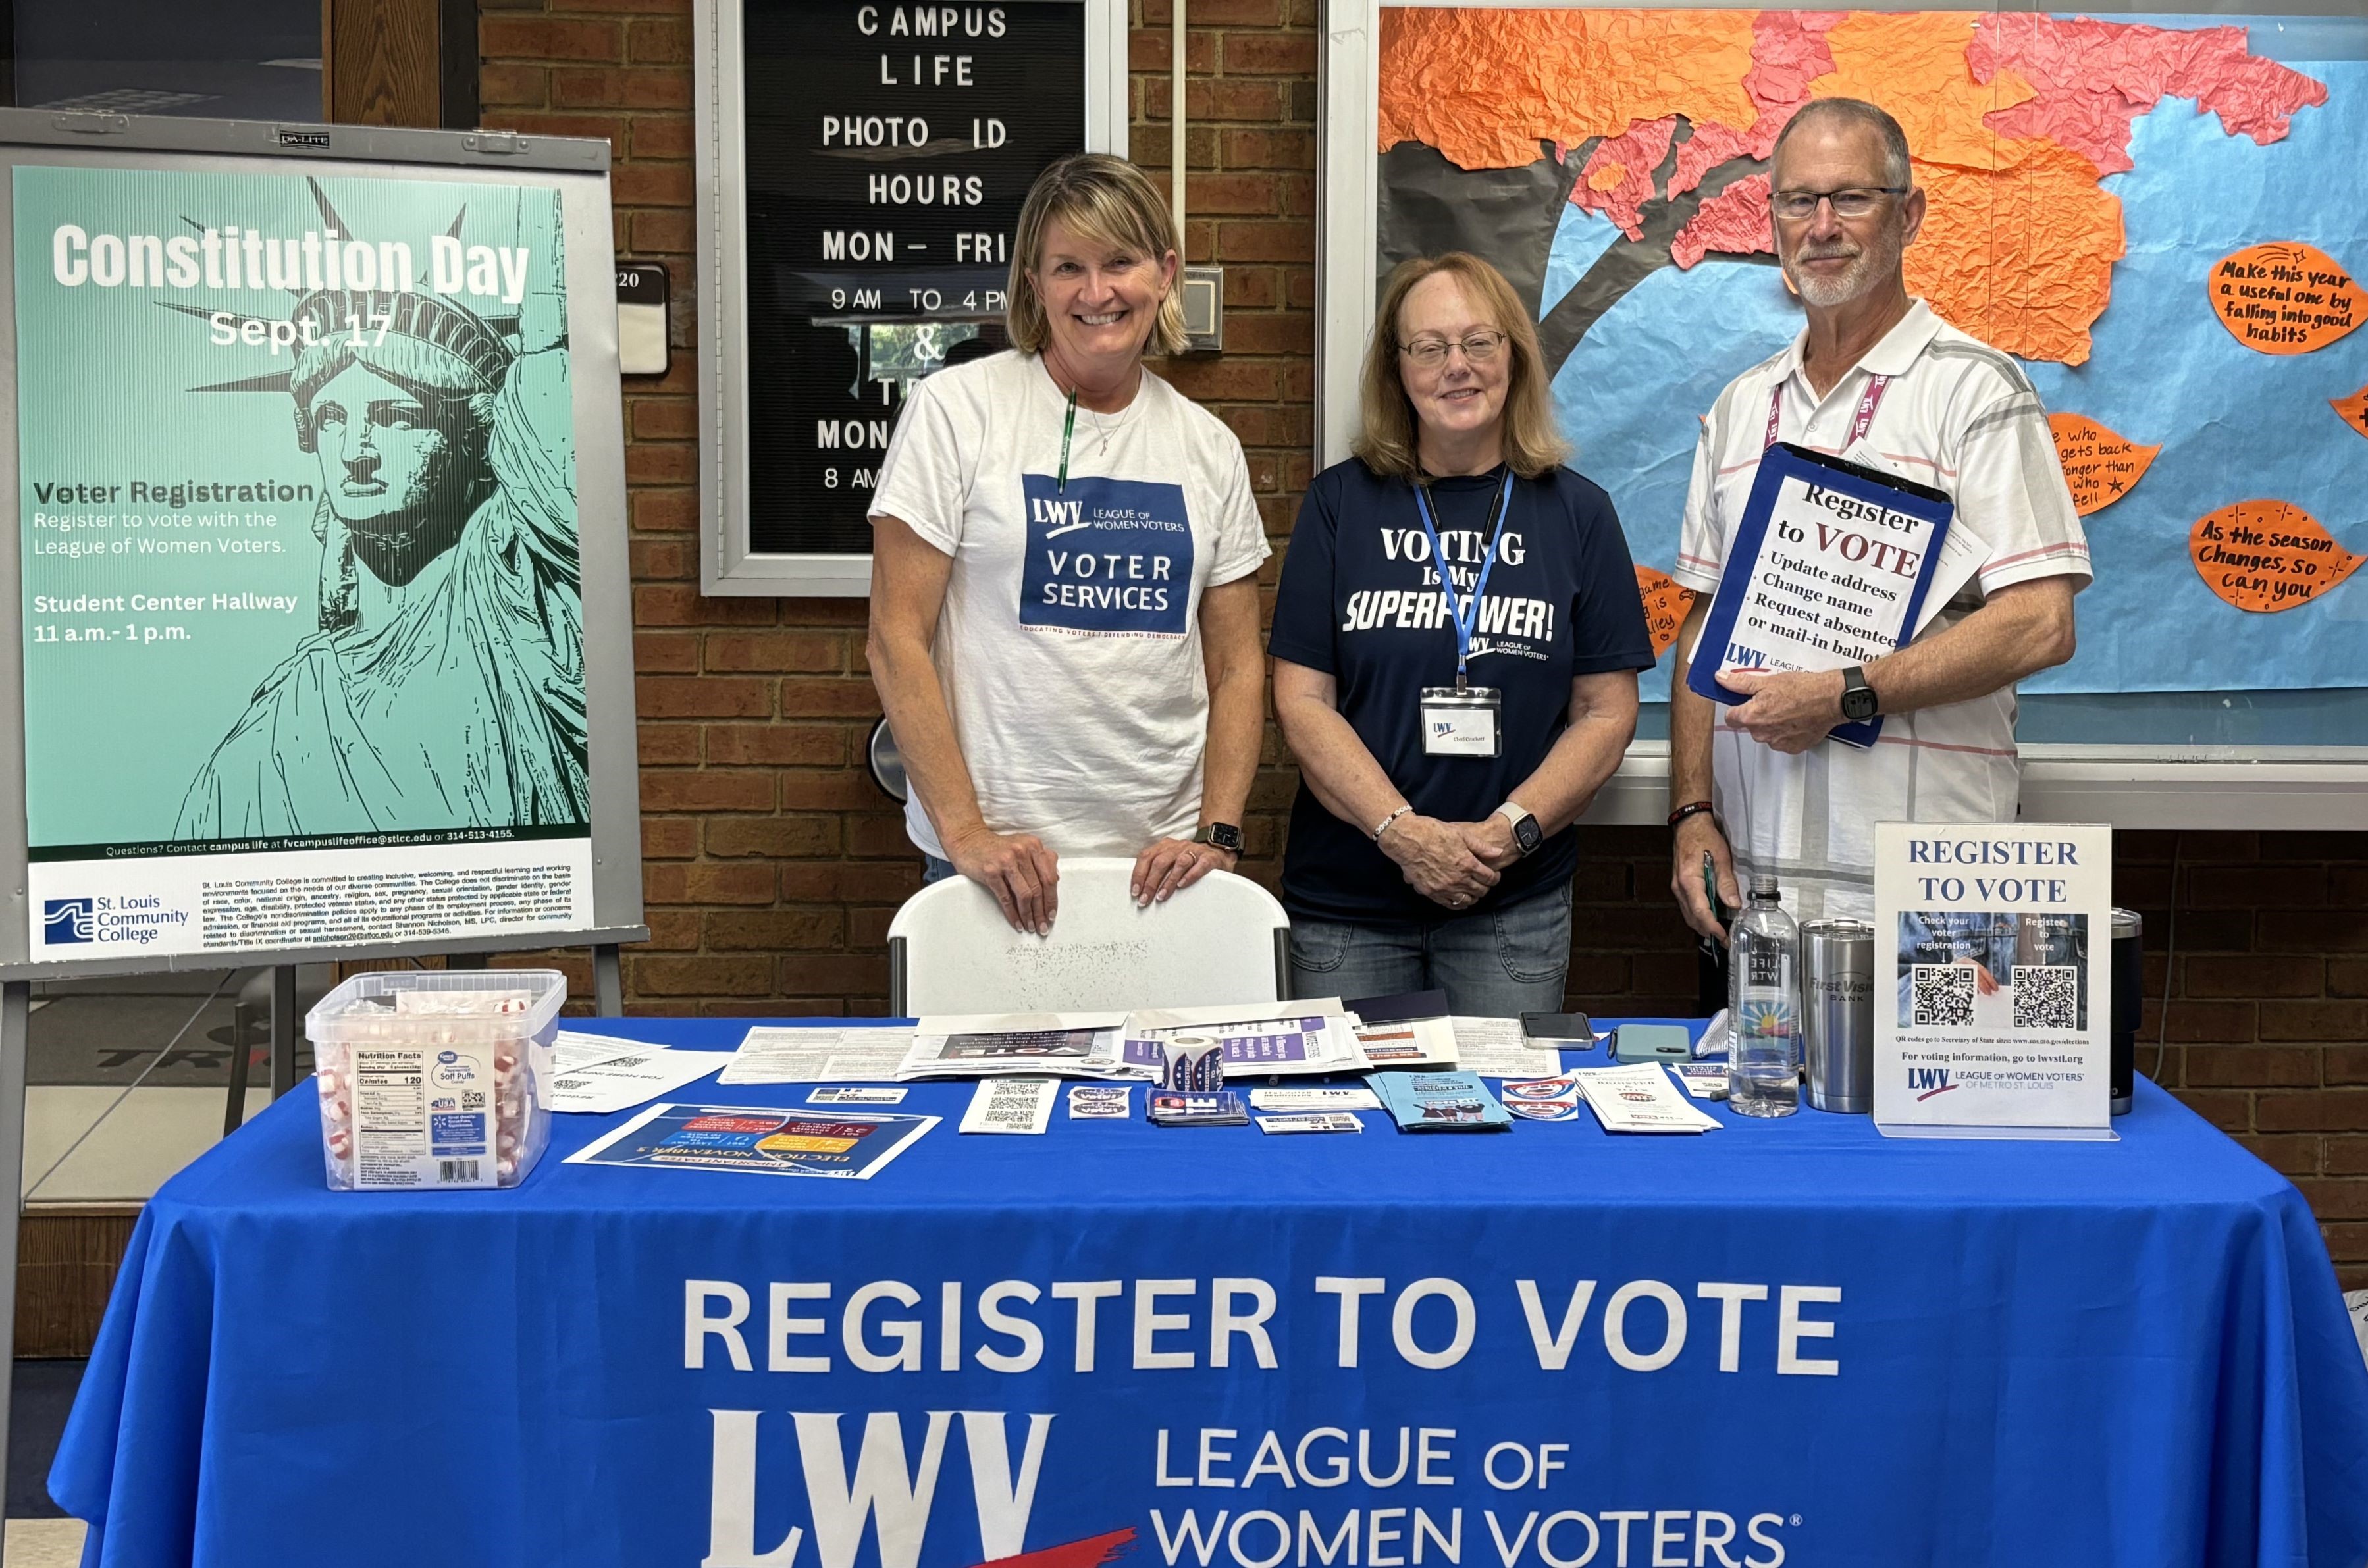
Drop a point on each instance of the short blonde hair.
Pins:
(1104, 198)
(1386, 442)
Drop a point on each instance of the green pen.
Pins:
(1068, 427)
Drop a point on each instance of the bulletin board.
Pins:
(2159, 216)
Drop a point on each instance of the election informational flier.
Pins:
(849, 1145)
(1992, 1016)
(302, 622)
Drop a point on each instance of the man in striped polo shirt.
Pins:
(1879, 379)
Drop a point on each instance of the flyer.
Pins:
(829, 1055)
(589, 1074)
(301, 618)
(985, 1045)
(1992, 1002)
(847, 1145)
(1011, 1104)
(1439, 1102)
(1274, 1037)
(1640, 1097)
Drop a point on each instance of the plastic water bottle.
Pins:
(1764, 1006)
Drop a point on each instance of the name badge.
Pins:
(1461, 723)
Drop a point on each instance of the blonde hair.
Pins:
(1105, 199)
(1386, 442)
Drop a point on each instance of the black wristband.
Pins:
(1690, 809)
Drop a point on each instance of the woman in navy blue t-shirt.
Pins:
(1445, 748)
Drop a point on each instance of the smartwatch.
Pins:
(1527, 835)
(1224, 834)
(1858, 698)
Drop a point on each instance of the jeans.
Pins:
(1498, 963)
(934, 869)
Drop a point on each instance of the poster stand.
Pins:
(559, 184)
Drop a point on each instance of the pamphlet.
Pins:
(1410, 1029)
(850, 1096)
(1313, 1098)
(1992, 995)
(1312, 1122)
(1011, 1104)
(1222, 1108)
(762, 1140)
(1276, 1037)
(1441, 1102)
(591, 1075)
(867, 1054)
(1640, 1097)
(988, 1045)
(1703, 1080)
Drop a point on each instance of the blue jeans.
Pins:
(1498, 963)
(934, 869)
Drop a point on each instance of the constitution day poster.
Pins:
(303, 629)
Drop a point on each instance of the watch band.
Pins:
(1226, 835)
(1858, 697)
(1519, 817)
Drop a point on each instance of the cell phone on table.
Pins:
(1571, 1031)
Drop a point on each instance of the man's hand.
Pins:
(1789, 711)
(1168, 866)
(1491, 841)
(1017, 870)
(1698, 835)
(1438, 862)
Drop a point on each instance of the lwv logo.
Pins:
(1931, 1080)
(889, 1488)
(1065, 515)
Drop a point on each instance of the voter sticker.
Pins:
(1461, 723)
(1537, 1088)
(1099, 1102)
(1564, 1109)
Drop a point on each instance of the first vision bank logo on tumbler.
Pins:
(1112, 556)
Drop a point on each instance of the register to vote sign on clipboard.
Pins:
(1832, 565)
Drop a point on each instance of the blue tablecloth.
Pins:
(1779, 1341)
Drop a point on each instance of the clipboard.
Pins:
(1782, 461)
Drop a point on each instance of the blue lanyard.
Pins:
(1470, 617)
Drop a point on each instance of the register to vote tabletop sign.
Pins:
(1992, 1007)
(304, 658)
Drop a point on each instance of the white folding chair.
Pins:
(1222, 941)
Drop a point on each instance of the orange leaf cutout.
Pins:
(1666, 602)
(2353, 410)
(2267, 555)
(2099, 465)
(2286, 297)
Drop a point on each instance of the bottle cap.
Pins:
(1763, 885)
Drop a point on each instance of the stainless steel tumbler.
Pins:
(1838, 1015)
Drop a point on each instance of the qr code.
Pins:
(2046, 996)
(1944, 996)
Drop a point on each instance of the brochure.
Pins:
(835, 1056)
(1640, 1097)
(761, 1140)
(1312, 1122)
(591, 1076)
(1441, 1102)
(989, 1045)
(1703, 1080)
(1275, 1037)
(1011, 1104)
(849, 1095)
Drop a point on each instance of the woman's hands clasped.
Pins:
(1438, 860)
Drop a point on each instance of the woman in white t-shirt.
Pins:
(1064, 613)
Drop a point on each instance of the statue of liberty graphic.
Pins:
(443, 687)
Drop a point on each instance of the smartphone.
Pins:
(1561, 1031)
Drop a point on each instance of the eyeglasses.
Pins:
(1855, 201)
(1478, 349)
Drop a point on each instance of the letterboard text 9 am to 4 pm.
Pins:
(888, 149)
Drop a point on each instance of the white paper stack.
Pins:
(1279, 1039)
(1640, 1097)
(1408, 1042)
(1004, 1045)
(597, 1074)
(833, 1055)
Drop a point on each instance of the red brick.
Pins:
(777, 839)
(2252, 1066)
(671, 511)
(651, 185)
(580, 87)
(851, 975)
(2319, 931)
(2253, 976)
(669, 839)
(664, 746)
(548, 38)
(2342, 1155)
(665, 653)
(706, 697)
(814, 698)
(659, 41)
(2324, 1110)
(2231, 1110)
(729, 789)
(873, 882)
(1277, 240)
(673, 930)
(773, 930)
(778, 650)
(665, 419)
(746, 883)
(670, 462)
(664, 232)
(501, 87)
(669, 604)
(776, 745)
(661, 136)
(749, 976)
(2314, 1020)
(2338, 1200)
(2290, 1154)
(662, 559)
(811, 790)
(1270, 53)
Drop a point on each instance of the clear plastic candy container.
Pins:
(434, 1079)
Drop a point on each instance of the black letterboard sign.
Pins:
(888, 149)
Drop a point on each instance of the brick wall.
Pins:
(773, 863)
